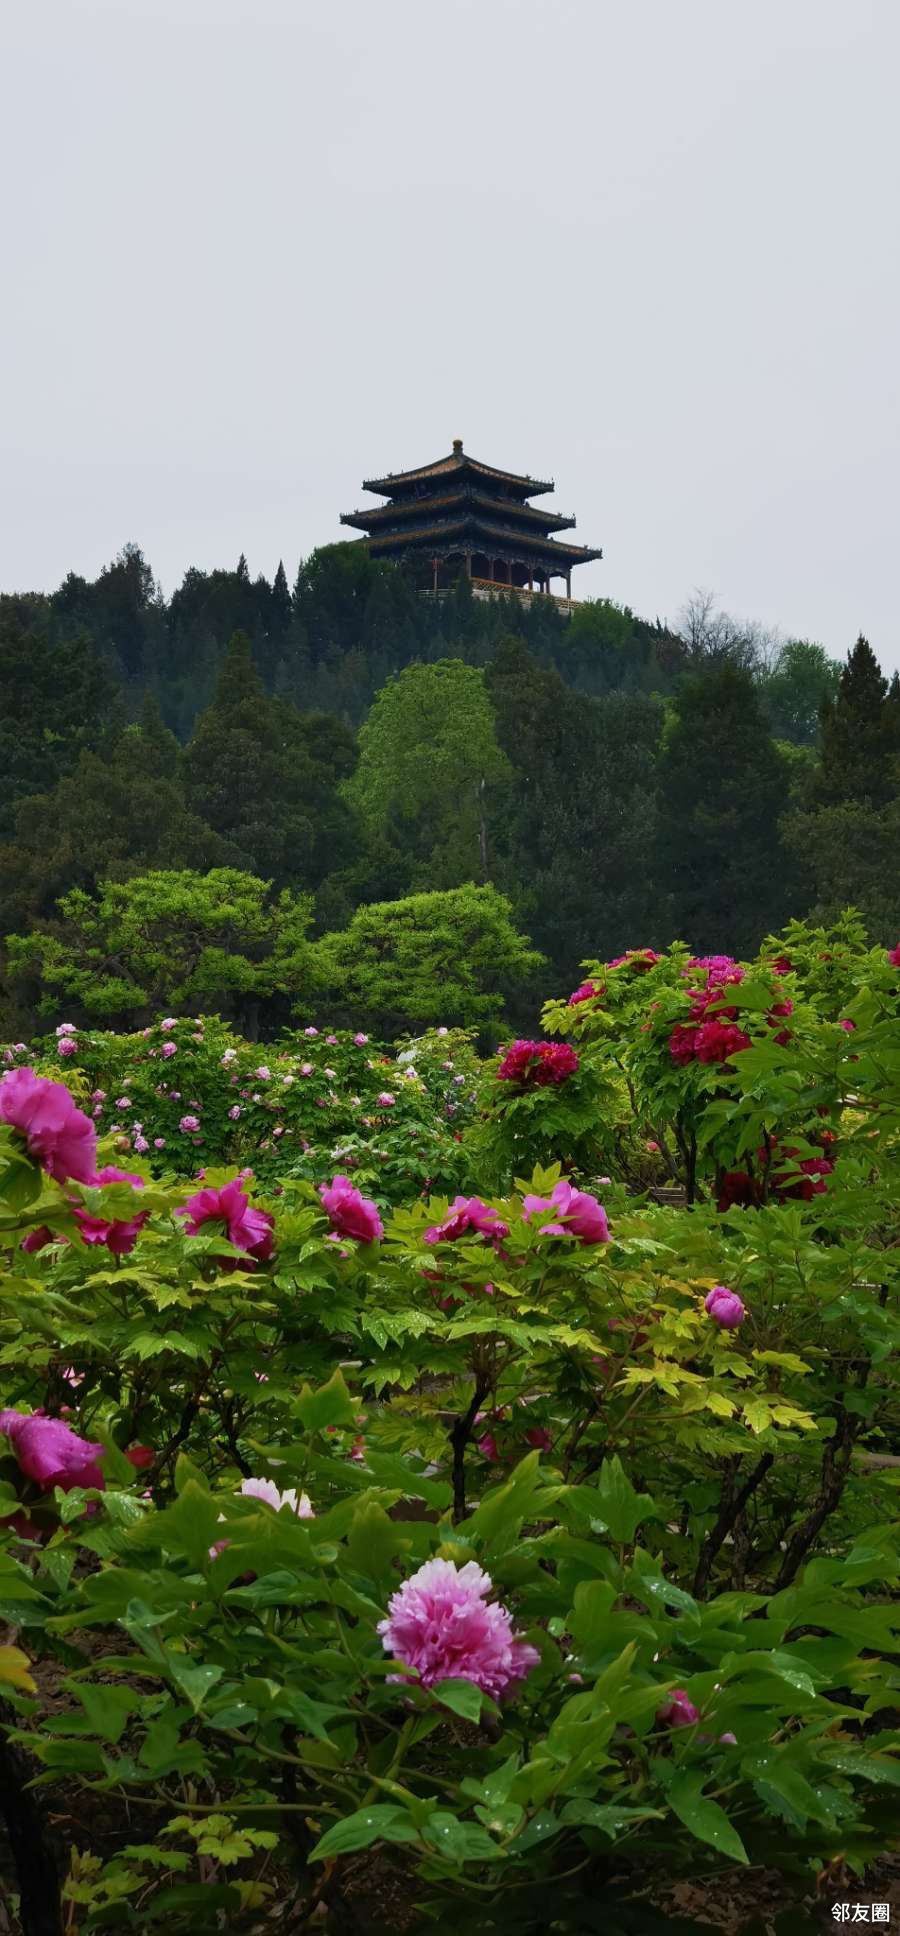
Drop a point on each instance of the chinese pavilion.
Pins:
(460, 516)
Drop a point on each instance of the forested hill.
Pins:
(351, 741)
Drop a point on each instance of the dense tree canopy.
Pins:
(347, 739)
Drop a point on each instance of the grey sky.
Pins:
(258, 249)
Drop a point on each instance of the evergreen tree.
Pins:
(722, 788)
(252, 772)
(860, 738)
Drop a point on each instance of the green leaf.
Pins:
(195, 1681)
(330, 1405)
(702, 1816)
(463, 1697)
(460, 1841)
(620, 1508)
(107, 1707)
(381, 1822)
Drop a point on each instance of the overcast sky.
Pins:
(256, 250)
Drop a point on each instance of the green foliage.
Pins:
(164, 939)
(452, 956)
(669, 1510)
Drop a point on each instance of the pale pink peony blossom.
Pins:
(440, 1623)
(67, 1045)
(189, 1124)
(266, 1489)
(65, 1028)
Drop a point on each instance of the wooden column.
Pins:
(569, 586)
(435, 569)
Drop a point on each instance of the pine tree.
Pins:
(252, 773)
(722, 788)
(859, 735)
(282, 610)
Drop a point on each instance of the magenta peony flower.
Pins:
(725, 1307)
(439, 1622)
(67, 1045)
(584, 993)
(534, 1065)
(248, 1229)
(350, 1214)
(639, 960)
(50, 1453)
(468, 1214)
(579, 1214)
(717, 1041)
(678, 1711)
(57, 1135)
(266, 1489)
(120, 1234)
(894, 956)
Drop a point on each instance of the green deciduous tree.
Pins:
(452, 957)
(796, 688)
(220, 941)
(431, 773)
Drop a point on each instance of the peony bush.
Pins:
(519, 1542)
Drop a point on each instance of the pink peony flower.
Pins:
(170, 1022)
(439, 1623)
(264, 1073)
(306, 1069)
(639, 960)
(584, 993)
(65, 1028)
(349, 1212)
(848, 1026)
(38, 1237)
(67, 1045)
(120, 1234)
(248, 1229)
(579, 1214)
(678, 1711)
(312, 1031)
(50, 1453)
(159, 1142)
(894, 956)
(229, 1056)
(331, 1041)
(468, 1214)
(725, 1307)
(123, 1102)
(385, 1100)
(535, 1065)
(539, 1437)
(189, 1124)
(169, 1049)
(360, 1040)
(266, 1489)
(141, 1145)
(234, 1112)
(57, 1135)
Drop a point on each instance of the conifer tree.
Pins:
(860, 738)
(722, 788)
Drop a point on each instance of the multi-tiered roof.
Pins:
(459, 515)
